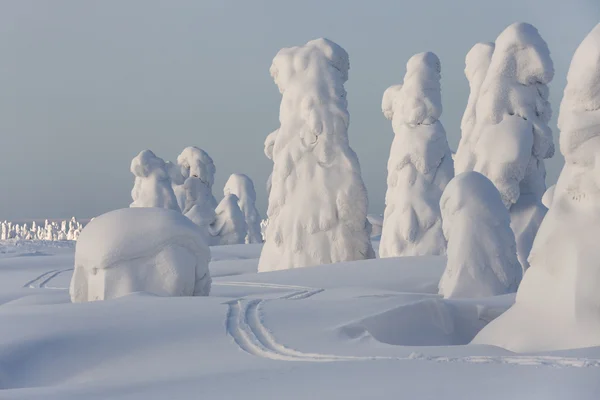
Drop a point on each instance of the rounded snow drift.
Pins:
(153, 250)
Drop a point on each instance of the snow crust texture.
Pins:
(140, 249)
(482, 258)
(420, 164)
(318, 202)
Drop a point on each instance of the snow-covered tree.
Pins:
(241, 186)
(482, 255)
(269, 144)
(511, 137)
(230, 224)
(152, 187)
(548, 197)
(477, 63)
(420, 164)
(558, 301)
(177, 181)
(318, 202)
(198, 206)
(195, 162)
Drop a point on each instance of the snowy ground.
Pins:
(363, 330)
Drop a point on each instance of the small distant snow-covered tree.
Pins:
(230, 224)
(477, 63)
(318, 202)
(482, 256)
(420, 164)
(241, 186)
(512, 137)
(196, 162)
(152, 187)
(198, 206)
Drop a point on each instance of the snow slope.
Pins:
(370, 329)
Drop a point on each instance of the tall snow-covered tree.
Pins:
(482, 254)
(512, 137)
(420, 164)
(269, 144)
(558, 301)
(152, 187)
(477, 63)
(318, 202)
(196, 162)
(241, 186)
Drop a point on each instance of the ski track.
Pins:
(41, 282)
(245, 325)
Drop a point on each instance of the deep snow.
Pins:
(361, 330)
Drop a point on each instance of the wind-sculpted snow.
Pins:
(420, 164)
(482, 259)
(557, 303)
(195, 162)
(140, 249)
(241, 186)
(317, 202)
(152, 186)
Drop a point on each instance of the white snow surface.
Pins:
(482, 258)
(243, 187)
(318, 202)
(152, 186)
(140, 249)
(558, 302)
(420, 164)
(230, 223)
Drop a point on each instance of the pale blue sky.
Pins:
(86, 85)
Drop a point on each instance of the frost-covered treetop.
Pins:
(146, 163)
(420, 100)
(388, 102)
(579, 117)
(196, 162)
(241, 186)
(314, 56)
(521, 59)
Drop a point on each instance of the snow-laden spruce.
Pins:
(269, 144)
(558, 302)
(140, 249)
(177, 181)
(477, 63)
(241, 186)
(420, 164)
(511, 137)
(318, 202)
(152, 186)
(548, 197)
(196, 162)
(198, 207)
(482, 255)
(230, 223)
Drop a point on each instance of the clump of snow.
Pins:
(318, 202)
(196, 162)
(548, 197)
(198, 206)
(477, 63)
(558, 302)
(230, 223)
(482, 258)
(152, 187)
(420, 164)
(140, 249)
(241, 186)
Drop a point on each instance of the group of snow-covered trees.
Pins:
(53, 231)
(186, 187)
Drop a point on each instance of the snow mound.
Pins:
(152, 186)
(482, 259)
(241, 186)
(558, 302)
(317, 202)
(140, 249)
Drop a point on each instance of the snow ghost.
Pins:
(177, 181)
(140, 249)
(420, 164)
(230, 223)
(198, 206)
(511, 137)
(269, 144)
(242, 186)
(318, 202)
(477, 63)
(195, 162)
(558, 302)
(152, 187)
(482, 255)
